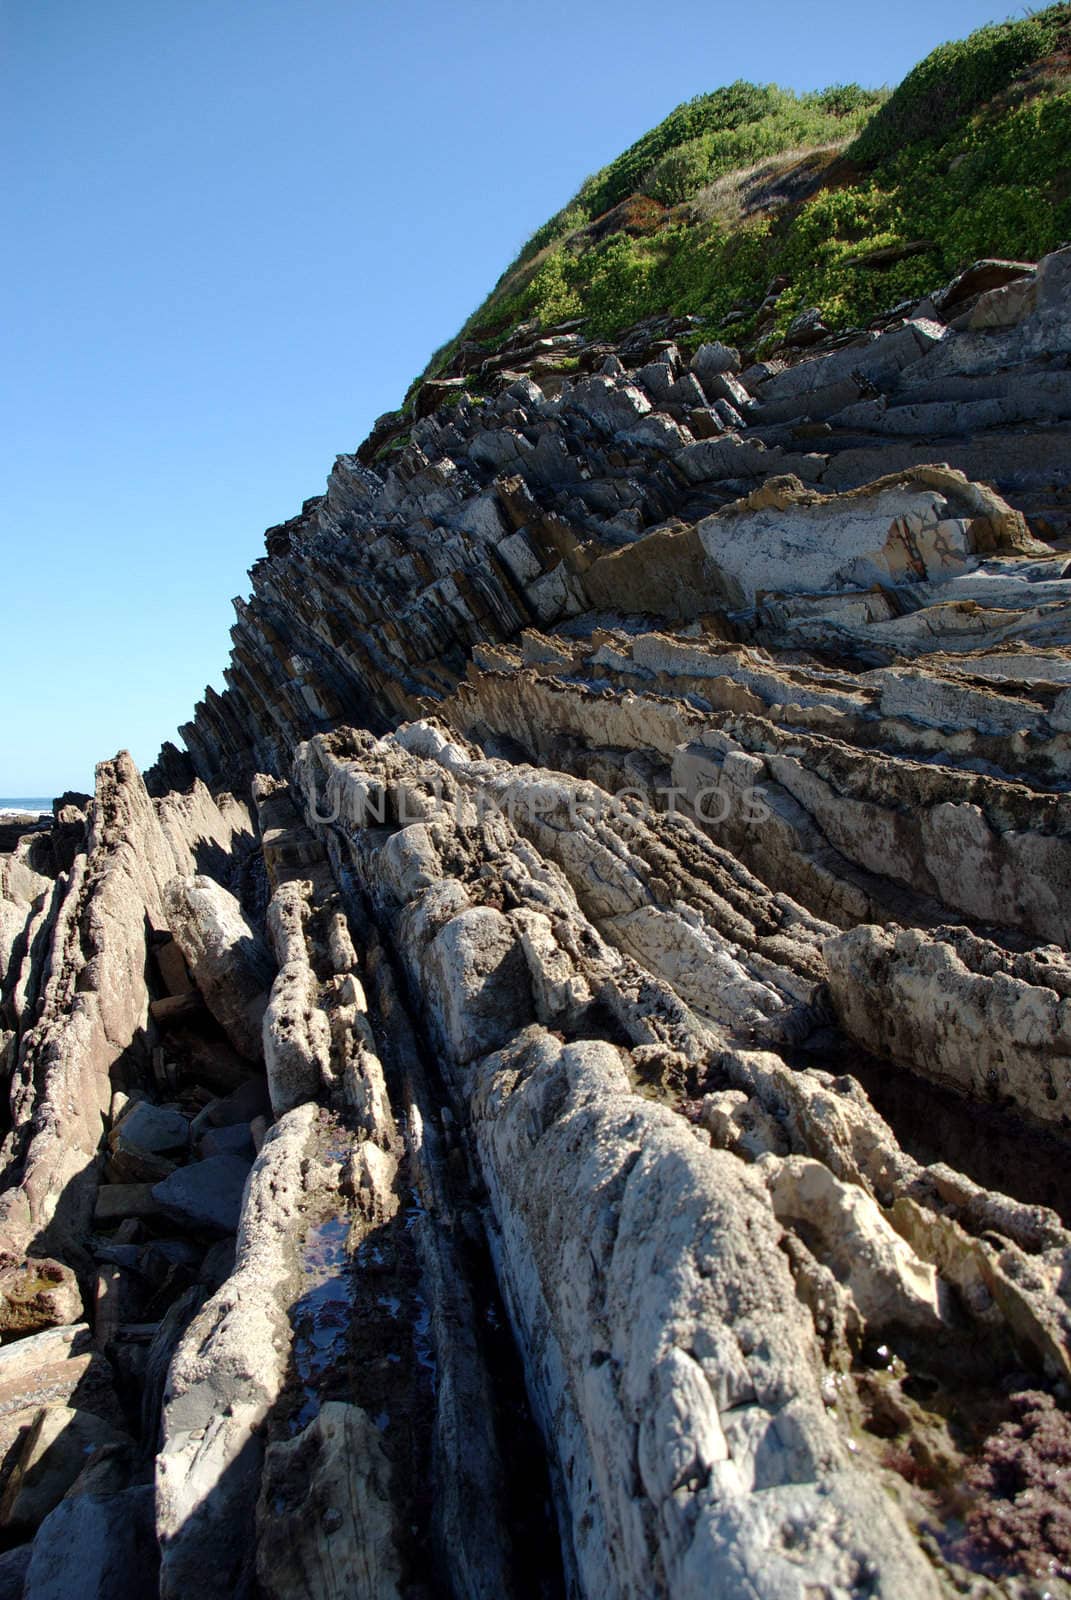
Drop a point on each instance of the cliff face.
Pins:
(799, 504)
(565, 1088)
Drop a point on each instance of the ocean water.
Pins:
(16, 805)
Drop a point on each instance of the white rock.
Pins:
(478, 981)
(667, 1352)
(889, 1284)
(960, 1010)
(226, 1375)
(296, 1038)
(228, 960)
(325, 1525)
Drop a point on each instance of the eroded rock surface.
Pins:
(565, 1089)
(226, 958)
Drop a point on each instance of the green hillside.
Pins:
(856, 198)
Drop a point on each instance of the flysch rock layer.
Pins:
(563, 1089)
(94, 1001)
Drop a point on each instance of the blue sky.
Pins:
(234, 231)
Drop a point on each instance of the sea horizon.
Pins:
(16, 804)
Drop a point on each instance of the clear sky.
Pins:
(234, 230)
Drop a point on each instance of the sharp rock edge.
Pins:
(564, 1087)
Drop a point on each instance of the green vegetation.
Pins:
(708, 136)
(958, 78)
(967, 158)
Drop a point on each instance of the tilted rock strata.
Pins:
(646, 1275)
(225, 1375)
(94, 1005)
(962, 1010)
(524, 508)
(485, 977)
(511, 1151)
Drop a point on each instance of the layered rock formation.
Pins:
(564, 1089)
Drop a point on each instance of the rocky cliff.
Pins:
(564, 1087)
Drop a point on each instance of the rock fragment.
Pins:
(96, 1547)
(53, 1453)
(206, 1194)
(37, 1293)
(228, 960)
(325, 1525)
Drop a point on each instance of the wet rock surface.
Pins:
(565, 1091)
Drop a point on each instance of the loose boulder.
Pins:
(37, 1293)
(229, 961)
(324, 1519)
(96, 1547)
(206, 1195)
(53, 1454)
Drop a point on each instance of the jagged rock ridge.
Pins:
(564, 1088)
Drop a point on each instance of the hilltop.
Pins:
(750, 206)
